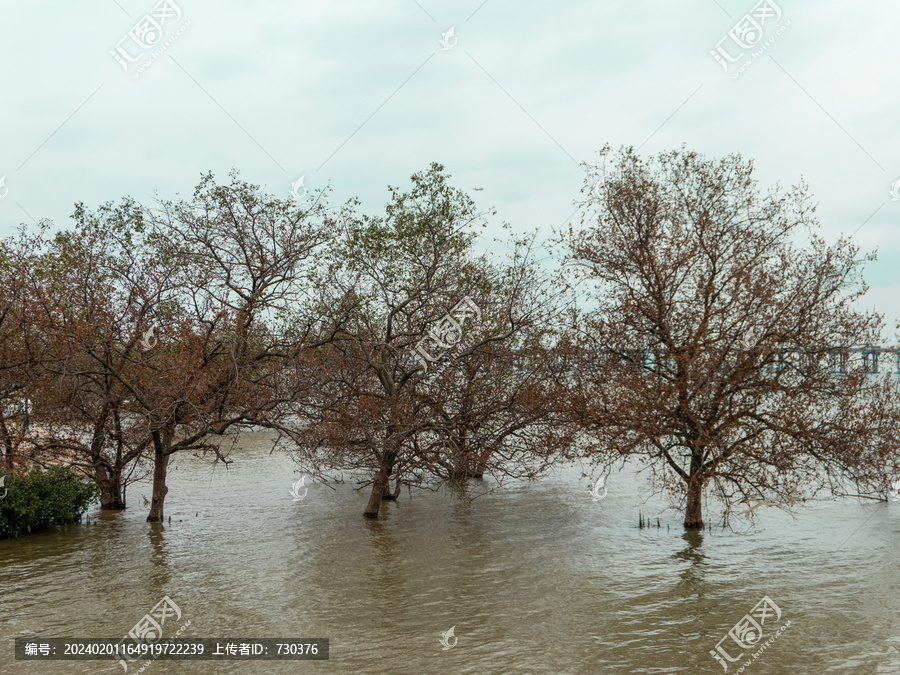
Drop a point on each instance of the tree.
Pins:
(495, 408)
(20, 352)
(397, 404)
(706, 350)
(242, 259)
(94, 292)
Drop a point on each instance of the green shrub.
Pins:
(38, 499)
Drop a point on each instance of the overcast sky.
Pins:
(359, 95)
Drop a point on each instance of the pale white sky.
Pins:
(362, 94)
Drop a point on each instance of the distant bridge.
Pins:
(874, 359)
(838, 360)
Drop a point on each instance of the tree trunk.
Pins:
(8, 447)
(480, 464)
(111, 482)
(392, 496)
(693, 515)
(458, 468)
(160, 465)
(379, 487)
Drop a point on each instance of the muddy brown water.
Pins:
(533, 578)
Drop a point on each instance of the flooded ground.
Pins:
(533, 578)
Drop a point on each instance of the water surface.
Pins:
(534, 578)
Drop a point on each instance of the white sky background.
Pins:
(361, 94)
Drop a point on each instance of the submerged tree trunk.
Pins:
(466, 463)
(480, 464)
(380, 486)
(391, 496)
(693, 515)
(459, 466)
(111, 498)
(160, 465)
